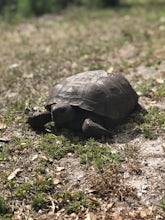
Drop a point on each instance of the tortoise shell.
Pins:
(106, 94)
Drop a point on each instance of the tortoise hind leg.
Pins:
(94, 129)
(37, 122)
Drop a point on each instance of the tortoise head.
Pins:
(62, 113)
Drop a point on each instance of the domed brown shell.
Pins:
(106, 94)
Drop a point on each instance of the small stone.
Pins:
(60, 169)
(56, 181)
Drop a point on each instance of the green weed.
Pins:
(152, 88)
(160, 92)
(162, 204)
(39, 201)
(91, 152)
(17, 144)
(56, 147)
(73, 201)
(44, 186)
(154, 121)
(3, 156)
(97, 153)
(11, 184)
(144, 89)
(5, 210)
(22, 190)
(19, 106)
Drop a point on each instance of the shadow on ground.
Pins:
(126, 131)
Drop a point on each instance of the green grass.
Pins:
(98, 154)
(56, 147)
(22, 190)
(160, 92)
(74, 201)
(152, 88)
(5, 210)
(144, 89)
(3, 156)
(154, 121)
(89, 152)
(70, 201)
(39, 201)
(150, 121)
(44, 186)
(162, 204)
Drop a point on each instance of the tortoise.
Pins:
(93, 102)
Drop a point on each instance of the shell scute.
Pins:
(105, 94)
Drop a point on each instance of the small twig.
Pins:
(52, 207)
(4, 140)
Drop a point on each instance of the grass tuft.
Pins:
(56, 147)
(73, 201)
(154, 122)
(90, 152)
(5, 210)
(39, 201)
(22, 190)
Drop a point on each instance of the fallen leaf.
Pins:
(109, 206)
(90, 216)
(160, 80)
(14, 173)
(110, 70)
(142, 213)
(40, 178)
(17, 214)
(56, 181)
(74, 65)
(4, 140)
(60, 169)
(74, 216)
(2, 125)
(28, 75)
(45, 158)
(14, 65)
(34, 157)
(131, 214)
(116, 216)
(11, 94)
(145, 213)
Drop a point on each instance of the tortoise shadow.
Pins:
(129, 129)
(123, 133)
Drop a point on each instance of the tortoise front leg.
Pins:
(37, 122)
(92, 128)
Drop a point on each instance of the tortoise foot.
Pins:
(94, 129)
